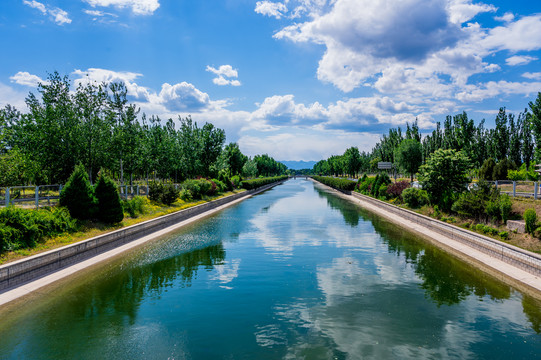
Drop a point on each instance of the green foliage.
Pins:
(444, 173)
(414, 197)
(197, 188)
(337, 183)
(163, 193)
(234, 158)
(235, 181)
(505, 206)
(134, 206)
(501, 169)
(409, 156)
(255, 183)
(364, 186)
(23, 228)
(219, 186)
(352, 161)
(504, 235)
(78, 195)
(169, 195)
(381, 179)
(530, 217)
(487, 170)
(109, 206)
(523, 173)
(483, 202)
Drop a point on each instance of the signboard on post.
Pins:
(382, 165)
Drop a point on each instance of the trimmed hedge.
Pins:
(337, 183)
(255, 183)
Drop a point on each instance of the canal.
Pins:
(294, 272)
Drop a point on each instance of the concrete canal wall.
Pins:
(26, 270)
(521, 266)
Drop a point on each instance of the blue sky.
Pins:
(297, 79)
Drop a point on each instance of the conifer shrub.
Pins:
(78, 195)
(414, 197)
(169, 194)
(530, 217)
(109, 206)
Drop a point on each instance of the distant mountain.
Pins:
(298, 165)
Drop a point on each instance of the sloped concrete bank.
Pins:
(519, 267)
(24, 271)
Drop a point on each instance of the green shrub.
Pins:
(382, 192)
(469, 205)
(487, 169)
(537, 232)
(504, 235)
(78, 195)
(530, 217)
(134, 206)
(235, 181)
(480, 227)
(220, 186)
(414, 197)
(505, 207)
(365, 186)
(24, 228)
(109, 206)
(169, 194)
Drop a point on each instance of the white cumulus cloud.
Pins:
(519, 60)
(138, 7)
(26, 79)
(272, 9)
(226, 75)
(59, 16)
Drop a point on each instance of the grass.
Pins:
(89, 229)
(523, 241)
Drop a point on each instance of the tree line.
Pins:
(515, 140)
(97, 126)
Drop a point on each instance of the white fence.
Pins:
(47, 195)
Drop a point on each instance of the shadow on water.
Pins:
(349, 211)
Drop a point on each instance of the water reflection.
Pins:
(349, 211)
(307, 275)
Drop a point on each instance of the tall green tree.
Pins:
(352, 161)
(535, 123)
(409, 156)
(234, 159)
(445, 172)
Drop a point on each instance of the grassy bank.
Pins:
(393, 193)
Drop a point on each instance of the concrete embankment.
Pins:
(27, 275)
(515, 266)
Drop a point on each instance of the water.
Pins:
(294, 272)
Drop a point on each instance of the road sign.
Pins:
(385, 165)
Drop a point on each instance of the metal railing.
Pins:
(523, 259)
